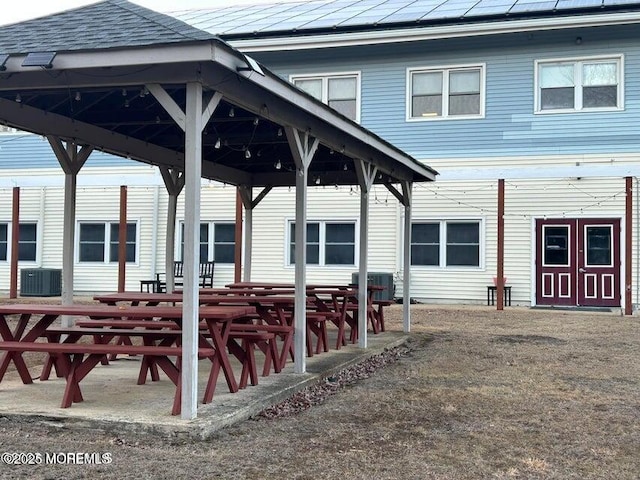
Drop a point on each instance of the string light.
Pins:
(18, 98)
(247, 153)
(280, 132)
(78, 97)
(217, 144)
(278, 165)
(232, 112)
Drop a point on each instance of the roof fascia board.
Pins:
(121, 57)
(333, 130)
(415, 34)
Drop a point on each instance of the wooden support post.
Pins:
(122, 239)
(303, 148)
(406, 280)
(500, 253)
(15, 245)
(237, 272)
(628, 245)
(366, 173)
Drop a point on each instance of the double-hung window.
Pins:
(450, 92)
(579, 85)
(340, 91)
(328, 243)
(217, 242)
(99, 242)
(446, 243)
(27, 241)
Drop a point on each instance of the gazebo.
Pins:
(125, 80)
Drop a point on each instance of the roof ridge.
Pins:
(162, 20)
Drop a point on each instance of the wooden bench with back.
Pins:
(205, 274)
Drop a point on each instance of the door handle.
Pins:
(582, 270)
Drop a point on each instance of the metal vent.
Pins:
(40, 282)
(383, 279)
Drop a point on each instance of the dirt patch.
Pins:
(517, 394)
(539, 339)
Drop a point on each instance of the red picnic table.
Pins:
(272, 308)
(75, 367)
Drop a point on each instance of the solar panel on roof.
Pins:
(565, 4)
(619, 2)
(450, 9)
(522, 6)
(484, 9)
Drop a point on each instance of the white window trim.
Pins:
(483, 92)
(39, 239)
(619, 58)
(324, 76)
(107, 239)
(210, 240)
(323, 223)
(443, 241)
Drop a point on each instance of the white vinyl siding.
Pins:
(341, 91)
(445, 92)
(574, 85)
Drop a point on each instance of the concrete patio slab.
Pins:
(114, 402)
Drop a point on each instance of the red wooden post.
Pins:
(237, 273)
(15, 238)
(628, 245)
(122, 239)
(500, 253)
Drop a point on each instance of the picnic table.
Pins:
(70, 356)
(271, 308)
(375, 308)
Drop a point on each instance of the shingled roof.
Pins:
(103, 25)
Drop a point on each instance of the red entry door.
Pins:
(578, 262)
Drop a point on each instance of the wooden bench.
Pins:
(76, 367)
(285, 332)
(205, 275)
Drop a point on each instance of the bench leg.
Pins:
(249, 365)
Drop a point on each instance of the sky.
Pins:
(18, 11)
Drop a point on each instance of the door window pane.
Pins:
(556, 245)
(598, 246)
